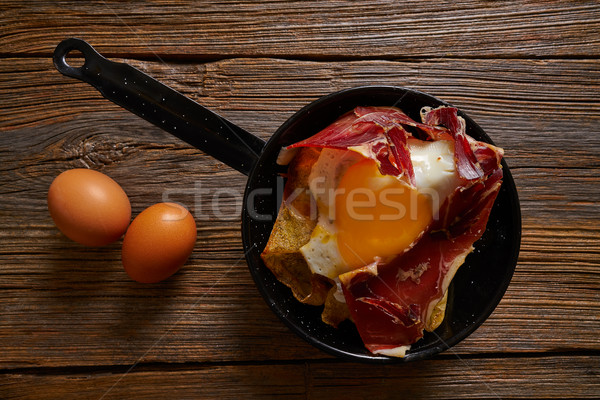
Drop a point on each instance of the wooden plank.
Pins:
(561, 377)
(543, 112)
(544, 191)
(62, 304)
(226, 382)
(378, 28)
(547, 377)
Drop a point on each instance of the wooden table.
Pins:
(72, 325)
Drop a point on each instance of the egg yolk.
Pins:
(377, 215)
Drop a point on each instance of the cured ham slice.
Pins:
(391, 304)
(378, 133)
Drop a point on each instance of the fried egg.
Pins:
(364, 215)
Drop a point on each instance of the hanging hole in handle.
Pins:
(77, 67)
(74, 59)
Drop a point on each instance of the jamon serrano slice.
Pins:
(391, 304)
(377, 133)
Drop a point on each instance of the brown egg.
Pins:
(158, 242)
(89, 207)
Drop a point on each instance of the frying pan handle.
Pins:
(164, 107)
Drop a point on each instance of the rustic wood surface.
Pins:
(72, 325)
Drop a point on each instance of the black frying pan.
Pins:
(477, 287)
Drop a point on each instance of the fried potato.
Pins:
(291, 231)
(296, 195)
(335, 311)
(437, 315)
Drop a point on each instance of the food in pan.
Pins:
(379, 212)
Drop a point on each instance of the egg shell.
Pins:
(89, 207)
(158, 242)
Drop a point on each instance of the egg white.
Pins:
(321, 252)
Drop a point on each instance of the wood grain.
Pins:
(558, 377)
(382, 29)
